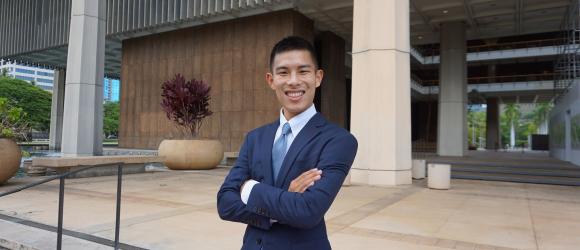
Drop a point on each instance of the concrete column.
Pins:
(492, 124)
(381, 98)
(452, 135)
(56, 110)
(568, 135)
(491, 72)
(83, 110)
(333, 89)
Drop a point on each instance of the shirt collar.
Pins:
(298, 122)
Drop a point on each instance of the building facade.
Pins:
(40, 77)
(399, 74)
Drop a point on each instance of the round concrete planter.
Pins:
(191, 154)
(439, 176)
(11, 155)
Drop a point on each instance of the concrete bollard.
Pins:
(439, 176)
(418, 169)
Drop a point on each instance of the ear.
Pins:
(270, 80)
(319, 75)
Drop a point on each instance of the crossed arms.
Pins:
(303, 205)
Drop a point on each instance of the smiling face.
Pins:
(294, 78)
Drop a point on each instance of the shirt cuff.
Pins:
(245, 194)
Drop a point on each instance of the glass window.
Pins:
(40, 73)
(44, 80)
(25, 71)
(25, 78)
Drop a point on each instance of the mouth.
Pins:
(295, 95)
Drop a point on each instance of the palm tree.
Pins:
(540, 115)
(512, 115)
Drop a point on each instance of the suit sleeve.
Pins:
(306, 210)
(229, 204)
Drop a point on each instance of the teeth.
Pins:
(295, 94)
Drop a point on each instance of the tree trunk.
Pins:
(512, 135)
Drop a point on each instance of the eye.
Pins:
(282, 73)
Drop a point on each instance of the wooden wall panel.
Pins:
(231, 56)
(331, 50)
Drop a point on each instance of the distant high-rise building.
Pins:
(44, 78)
(40, 77)
(111, 90)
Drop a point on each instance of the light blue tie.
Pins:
(279, 150)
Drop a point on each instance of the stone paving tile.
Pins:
(419, 240)
(181, 205)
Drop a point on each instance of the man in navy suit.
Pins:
(288, 172)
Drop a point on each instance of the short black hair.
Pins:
(293, 43)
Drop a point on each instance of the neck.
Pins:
(288, 115)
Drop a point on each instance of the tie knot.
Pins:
(286, 129)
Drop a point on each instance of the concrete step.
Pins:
(22, 234)
(521, 178)
(22, 237)
(514, 164)
(552, 172)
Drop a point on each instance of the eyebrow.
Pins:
(299, 67)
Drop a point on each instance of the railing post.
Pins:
(118, 212)
(60, 213)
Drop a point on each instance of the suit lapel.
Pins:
(311, 130)
(266, 148)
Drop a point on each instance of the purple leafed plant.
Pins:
(186, 103)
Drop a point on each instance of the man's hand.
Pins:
(305, 180)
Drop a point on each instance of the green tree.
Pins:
(512, 116)
(540, 115)
(33, 100)
(476, 126)
(111, 119)
(12, 121)
(4, 72)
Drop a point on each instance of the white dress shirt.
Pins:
(297, 123)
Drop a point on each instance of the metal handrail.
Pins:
(504, 78)
(434, 51)
(61, 197)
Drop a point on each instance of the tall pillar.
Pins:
(56, 110)
(452, 135)
(492, 73)
(492, 124)
(333, 89)
(381, 98)
(83, 110)
(568, 135)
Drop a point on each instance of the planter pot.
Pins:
(11, 155)
(33, 170)
(191, 154)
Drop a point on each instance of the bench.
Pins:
(132, 164)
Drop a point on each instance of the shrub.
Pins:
(186, 103)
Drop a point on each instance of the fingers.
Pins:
(305, 180)
(308, 177)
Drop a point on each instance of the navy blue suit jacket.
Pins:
(300, 216)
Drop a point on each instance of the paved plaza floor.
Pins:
(177, 210)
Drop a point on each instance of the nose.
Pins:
(293, 80)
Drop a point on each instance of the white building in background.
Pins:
(42, 78)
(111, 90)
